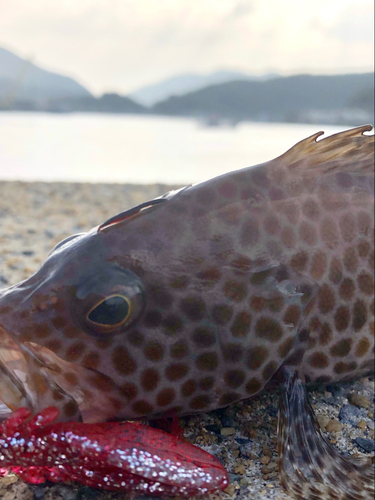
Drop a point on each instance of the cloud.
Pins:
(122, 44)
(242, 8)
(355, 25)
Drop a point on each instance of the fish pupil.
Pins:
(110, 311)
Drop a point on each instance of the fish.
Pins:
(199, 299)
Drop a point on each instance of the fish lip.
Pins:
(18, 385)
(5, 411)
(14, 392)
(97, 407)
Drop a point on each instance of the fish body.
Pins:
(201, 298)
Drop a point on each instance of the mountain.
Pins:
(107, 103)
(364, 99)
(279, 99)
(188, 82)
(21, 80)
(223, 97)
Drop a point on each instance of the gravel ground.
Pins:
(36, 216)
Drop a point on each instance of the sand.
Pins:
(36, 216)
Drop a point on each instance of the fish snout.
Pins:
(16, 388)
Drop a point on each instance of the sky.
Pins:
(122, 45)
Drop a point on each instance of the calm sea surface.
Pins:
(136, 149)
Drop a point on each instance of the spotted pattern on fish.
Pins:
(225, 282)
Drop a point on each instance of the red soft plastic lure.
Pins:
(114, 456)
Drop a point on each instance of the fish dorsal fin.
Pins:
(147, 205)
(123, 216)
(350, 151)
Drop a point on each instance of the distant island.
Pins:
(223, 97)
(331, 99)
(190, 82)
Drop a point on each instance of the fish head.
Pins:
(47, 322)
(58, 329)
(121, 321)
(86, 330)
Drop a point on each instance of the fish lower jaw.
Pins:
(11, 398)
(15, 388)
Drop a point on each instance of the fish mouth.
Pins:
(34, 377)
(15, 391)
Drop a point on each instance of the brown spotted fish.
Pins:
(204, 296)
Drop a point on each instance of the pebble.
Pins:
(65, 492)
(350, 414)
(9, 479)
(362, 424)
(323, 421)
(38, 493)
(234, 446)
(230, 490)
(213, 428)
(242, 440)
(240, 469)
(227, 421)
(366, 444)
(333, 425)
(267, 451)
(358, 400)
(227, 431)
(246, 449)
(338, 391)
(253, 433)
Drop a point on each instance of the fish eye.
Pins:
(109, 301)
(111, 312)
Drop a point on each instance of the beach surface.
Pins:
(34, 217)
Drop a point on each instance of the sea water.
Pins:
(83, 147)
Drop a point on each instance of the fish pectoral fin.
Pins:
(310, 467)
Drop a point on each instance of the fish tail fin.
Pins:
(310, 467)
